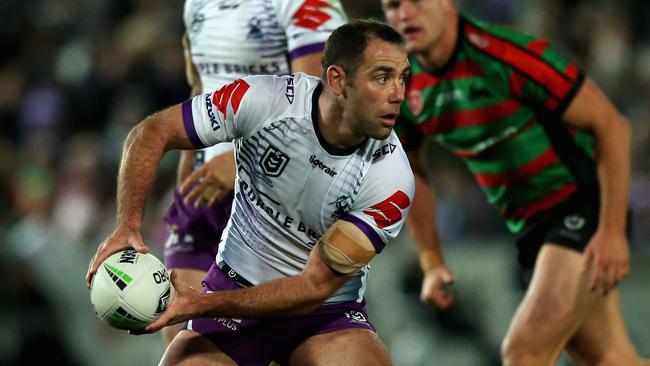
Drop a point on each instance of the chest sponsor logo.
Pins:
(273, 161)
(574, 222)
(316, 163)
(415, 101)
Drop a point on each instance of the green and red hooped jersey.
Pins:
(497, 104)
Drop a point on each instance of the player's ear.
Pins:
(336, 79)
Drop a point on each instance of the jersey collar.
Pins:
(331, 149)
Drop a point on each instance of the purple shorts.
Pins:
(195, 233)
(253, 342)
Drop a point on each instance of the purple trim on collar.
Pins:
(375, 239)
(306, 50)
(188, 123)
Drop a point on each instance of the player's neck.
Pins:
(331, 120)
(439, 54)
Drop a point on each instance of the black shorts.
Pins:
(570, 224)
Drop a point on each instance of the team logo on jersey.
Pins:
(273, 161)
(478, 40)
(574, 222)
(311, 14)
(415, 101)
(342, 205)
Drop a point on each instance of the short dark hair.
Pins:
(345, 46)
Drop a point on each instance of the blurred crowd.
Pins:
(76, 75)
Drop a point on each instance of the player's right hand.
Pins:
(119, 239)
(434, 284)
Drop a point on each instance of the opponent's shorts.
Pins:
(251, 342)
(571, 224)
(194, 234)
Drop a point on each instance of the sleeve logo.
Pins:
(389, 211)
(311, 14)
(231, 93)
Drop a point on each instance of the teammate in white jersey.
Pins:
(225, 41)
(322, 185)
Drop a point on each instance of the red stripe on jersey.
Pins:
(517, 83)
(462, 69)
(546, 159)
(538, 46)
(234, 91)
(467, 118)
(546, 202)
(551, 104)
(534, 67)
(422, 81)
(572, 71)
(310, 14)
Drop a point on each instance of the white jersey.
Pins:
(231, 39)
(291, 184)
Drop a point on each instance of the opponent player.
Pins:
(226, 41)
(313, 205)
(550, 152)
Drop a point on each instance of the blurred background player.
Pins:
(549, 151)
(227, 40)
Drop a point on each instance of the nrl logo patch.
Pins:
(273, 161)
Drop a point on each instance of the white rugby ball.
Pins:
(130, 289)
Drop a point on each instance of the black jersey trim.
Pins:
(564, 104)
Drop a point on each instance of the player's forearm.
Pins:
(422, 225)
(141, 155)
(284, 297)
(613, 161)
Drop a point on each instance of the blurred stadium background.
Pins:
(77, 74)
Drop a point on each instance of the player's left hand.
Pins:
(211, 182)
(607, 259)
(182, 307)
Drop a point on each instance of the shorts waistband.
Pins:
(233, 275)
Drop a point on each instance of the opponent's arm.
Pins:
(422, 225)
(608, 251)
(340, 253)
(143, 148)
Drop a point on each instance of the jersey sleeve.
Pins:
(386, 195)
(233, 111)
(308, 23)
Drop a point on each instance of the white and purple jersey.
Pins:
(231, 39)
(291, 184)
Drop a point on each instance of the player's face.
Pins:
(373, 100)
(421, 22)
